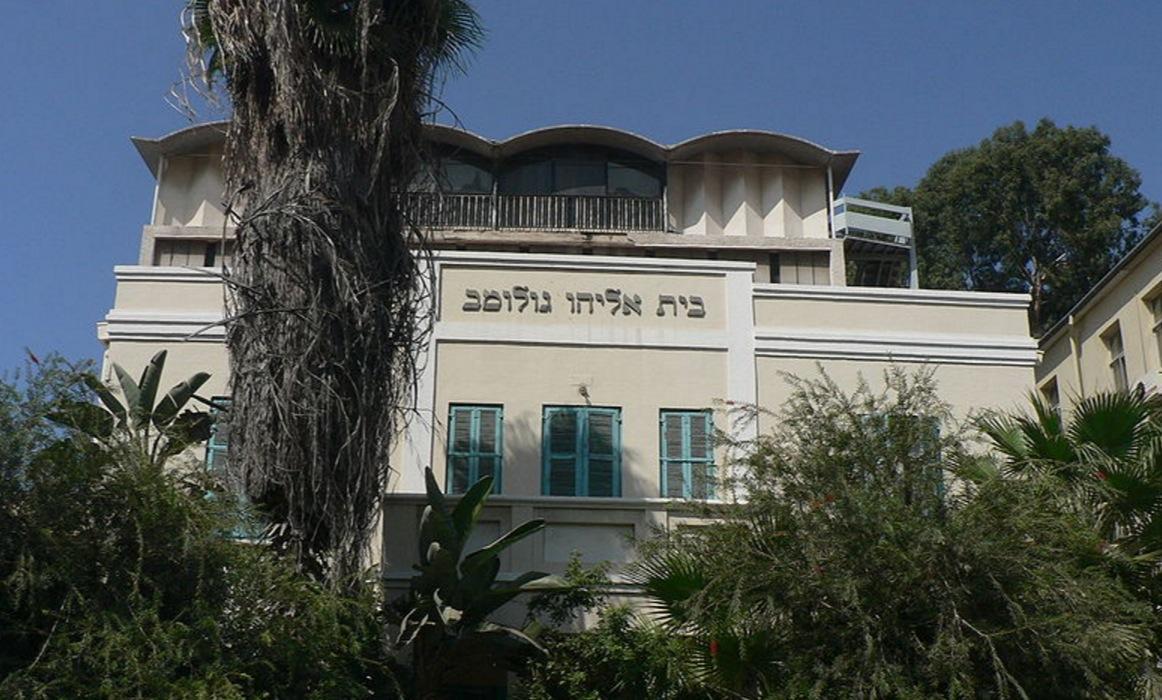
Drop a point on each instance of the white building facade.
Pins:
(601, 300)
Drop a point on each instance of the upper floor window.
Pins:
(1155, 304)
(1117, 350)
(475, 446)
(455, 172)
(1051, 395)
(582, 451)
(687, 454)
(581, 170)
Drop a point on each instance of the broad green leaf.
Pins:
(128, 388)
(466, 512)
(176, 399)
(502, 543)
(147, 390)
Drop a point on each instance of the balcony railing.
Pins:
(552, 212)
(873, 221)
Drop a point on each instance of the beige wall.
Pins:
(968, 389)
(747, 194)
(190, 190)
(1076, 356)
(527, 378)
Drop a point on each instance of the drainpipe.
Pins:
(830, 197)
(1075, 351)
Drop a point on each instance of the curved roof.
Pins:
(199, 136)
(191, 139)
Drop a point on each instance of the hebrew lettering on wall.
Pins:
(521, 299)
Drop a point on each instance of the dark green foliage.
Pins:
(623, 657)
(859, 568)
(116, 580)
(454, 594)
(1046, 211)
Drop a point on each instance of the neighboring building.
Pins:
(1112, 338)
(599, 296)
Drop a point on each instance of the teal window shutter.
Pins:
(218, 444)
(687, 454)
(248, 526)
(581, 452)
(475, 446)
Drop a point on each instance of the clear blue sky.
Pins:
(903, 82)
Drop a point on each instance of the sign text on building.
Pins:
(520, 298)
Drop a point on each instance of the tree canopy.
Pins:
(1045, 211)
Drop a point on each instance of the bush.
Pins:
(116, 579)
(858, 567)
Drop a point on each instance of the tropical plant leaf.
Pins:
(177, 398)
(107, 398)
(491, 551)
(142, 409)
(129, 389)
(466, 512)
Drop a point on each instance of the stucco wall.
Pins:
(190, 190)
(1077, 356)
(744, 194)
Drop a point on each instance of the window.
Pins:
(1051, 395)
(582, 451)
(687, 454)
(1156, 310)
(581, 170)
(1113, 341)
(475, 446)
(216, 447)
(247, 526)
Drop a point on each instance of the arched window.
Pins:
(581, 170)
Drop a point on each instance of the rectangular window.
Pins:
(687, 454)
(582, 451)
(248, 525)
(1052, 396)
(475, 446)
(1113, 341)
(216, 447)
(1156, 311)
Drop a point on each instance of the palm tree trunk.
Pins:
(325, 296)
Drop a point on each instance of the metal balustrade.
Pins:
(552, 212)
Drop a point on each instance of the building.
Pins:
(1112, 338)
(599, 296)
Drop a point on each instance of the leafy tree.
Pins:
(116, 579)
(1046, 211)
(328, 305)
(858, 568)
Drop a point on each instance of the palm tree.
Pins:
(1108, 454)
(327, 301)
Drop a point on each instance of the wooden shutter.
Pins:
(673, 467)
(217, 447)
(700, 434)
(602, 451)
(559, 472)
(687, 447)
(489, 445)
(475, 446)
